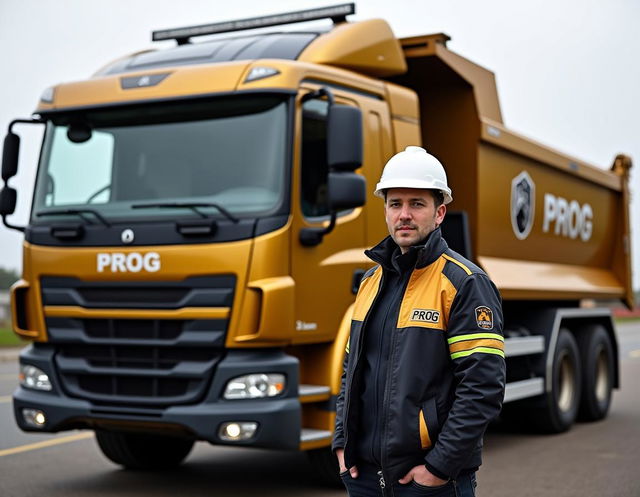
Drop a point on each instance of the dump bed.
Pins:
(543, 225)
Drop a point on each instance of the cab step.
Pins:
(313, 393)
(311, 435)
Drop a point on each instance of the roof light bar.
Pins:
(336, 12)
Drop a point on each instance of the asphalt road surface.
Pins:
(593, 459)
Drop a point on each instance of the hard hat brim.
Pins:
(421, 185)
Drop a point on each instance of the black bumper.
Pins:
(279, 419)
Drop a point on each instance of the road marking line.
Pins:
(5, 399)
(46, 443)
(635, 354)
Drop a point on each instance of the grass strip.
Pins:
(9, 339)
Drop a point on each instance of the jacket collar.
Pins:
(425, 253)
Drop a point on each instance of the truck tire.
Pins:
(325, 464)
(596, 353)
(560, 407)
(143, 451)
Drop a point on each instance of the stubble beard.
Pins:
(416, 235)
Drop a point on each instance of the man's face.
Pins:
(411, 215)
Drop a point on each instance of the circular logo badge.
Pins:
(127, 236)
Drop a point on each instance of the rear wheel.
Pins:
(143, 451)
(325, 464)
(596, 352)
(560, 407)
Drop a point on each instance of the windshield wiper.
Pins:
(79, 212)
(194, 206)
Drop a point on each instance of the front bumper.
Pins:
(279, 419)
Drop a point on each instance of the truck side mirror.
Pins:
(10, 151)
(10, 156)
(8, 198)
(344, 138)
(347, 190)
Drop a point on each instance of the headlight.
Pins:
(255, 386)
(34, 378)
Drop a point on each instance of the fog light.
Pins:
(236, 431)
(255, 386)
(34, 378)
(34, 417)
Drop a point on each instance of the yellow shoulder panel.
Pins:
(427, 299)
(458, 263)
(366, 294)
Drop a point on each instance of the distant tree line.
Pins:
(7, 278)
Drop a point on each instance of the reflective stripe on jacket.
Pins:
(446, 363)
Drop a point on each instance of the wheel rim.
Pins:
(566, 383)
(602, 374)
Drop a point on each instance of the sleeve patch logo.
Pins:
(484, 317)
(425, 315)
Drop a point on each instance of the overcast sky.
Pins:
(568, 71)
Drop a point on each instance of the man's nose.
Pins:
(405, 212)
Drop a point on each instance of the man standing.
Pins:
(425, 371)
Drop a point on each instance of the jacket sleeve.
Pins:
(476, 346)
(338, 434)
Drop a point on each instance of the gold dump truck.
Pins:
(199, 219)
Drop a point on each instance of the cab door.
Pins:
(326, 275)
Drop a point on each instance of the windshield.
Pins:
(229, 154)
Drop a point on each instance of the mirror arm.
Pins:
(319, 93)
(310, 237)
(12, 226)
(37, 120)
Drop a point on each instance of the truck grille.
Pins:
(121, 360)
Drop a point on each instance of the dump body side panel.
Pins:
(543, 225)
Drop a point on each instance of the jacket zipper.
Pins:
(385, 401)
(381, 480)
(377, 371)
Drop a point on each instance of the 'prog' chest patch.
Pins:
(425, 315)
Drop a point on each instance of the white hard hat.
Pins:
(414, 168)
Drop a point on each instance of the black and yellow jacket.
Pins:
(424, 372)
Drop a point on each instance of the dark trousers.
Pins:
(368, 484)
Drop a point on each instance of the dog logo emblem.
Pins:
(484, 317)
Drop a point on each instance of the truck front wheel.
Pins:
(143, 451)
(596, 352)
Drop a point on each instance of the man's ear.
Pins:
(440, 213)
